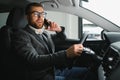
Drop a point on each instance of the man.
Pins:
(33, 48)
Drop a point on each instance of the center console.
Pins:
(110, 67)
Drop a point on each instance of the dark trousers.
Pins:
(75, 73)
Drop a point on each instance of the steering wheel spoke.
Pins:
(84, 37)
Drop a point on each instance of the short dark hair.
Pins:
(29, 6)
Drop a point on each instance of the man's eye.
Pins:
(36, 14)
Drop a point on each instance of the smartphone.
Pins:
(46, 23)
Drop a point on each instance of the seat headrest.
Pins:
(16, 18)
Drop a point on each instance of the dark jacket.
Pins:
(32, 58)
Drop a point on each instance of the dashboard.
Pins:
(110, 67)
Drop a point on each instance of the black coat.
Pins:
(33, 59)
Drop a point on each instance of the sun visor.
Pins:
(66, 2)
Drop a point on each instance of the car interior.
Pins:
(106, 50)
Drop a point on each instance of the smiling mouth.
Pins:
(39, 22)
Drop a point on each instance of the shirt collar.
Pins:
(37, 31)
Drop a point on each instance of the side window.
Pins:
(93, 30)
(71, 24)
(3, 18)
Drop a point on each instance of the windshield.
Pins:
(106, 8)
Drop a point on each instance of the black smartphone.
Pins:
(46, 23)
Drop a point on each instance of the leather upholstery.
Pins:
(15, 20)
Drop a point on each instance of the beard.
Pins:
(37, 25)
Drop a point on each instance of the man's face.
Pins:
(36, 17)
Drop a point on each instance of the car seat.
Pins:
(16, 20)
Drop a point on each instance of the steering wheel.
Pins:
(82, 40)
(84, 37)
(89, 52)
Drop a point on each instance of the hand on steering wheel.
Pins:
(82, 40)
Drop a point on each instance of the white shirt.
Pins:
(37, 31)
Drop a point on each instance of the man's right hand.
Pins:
(74, 50)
